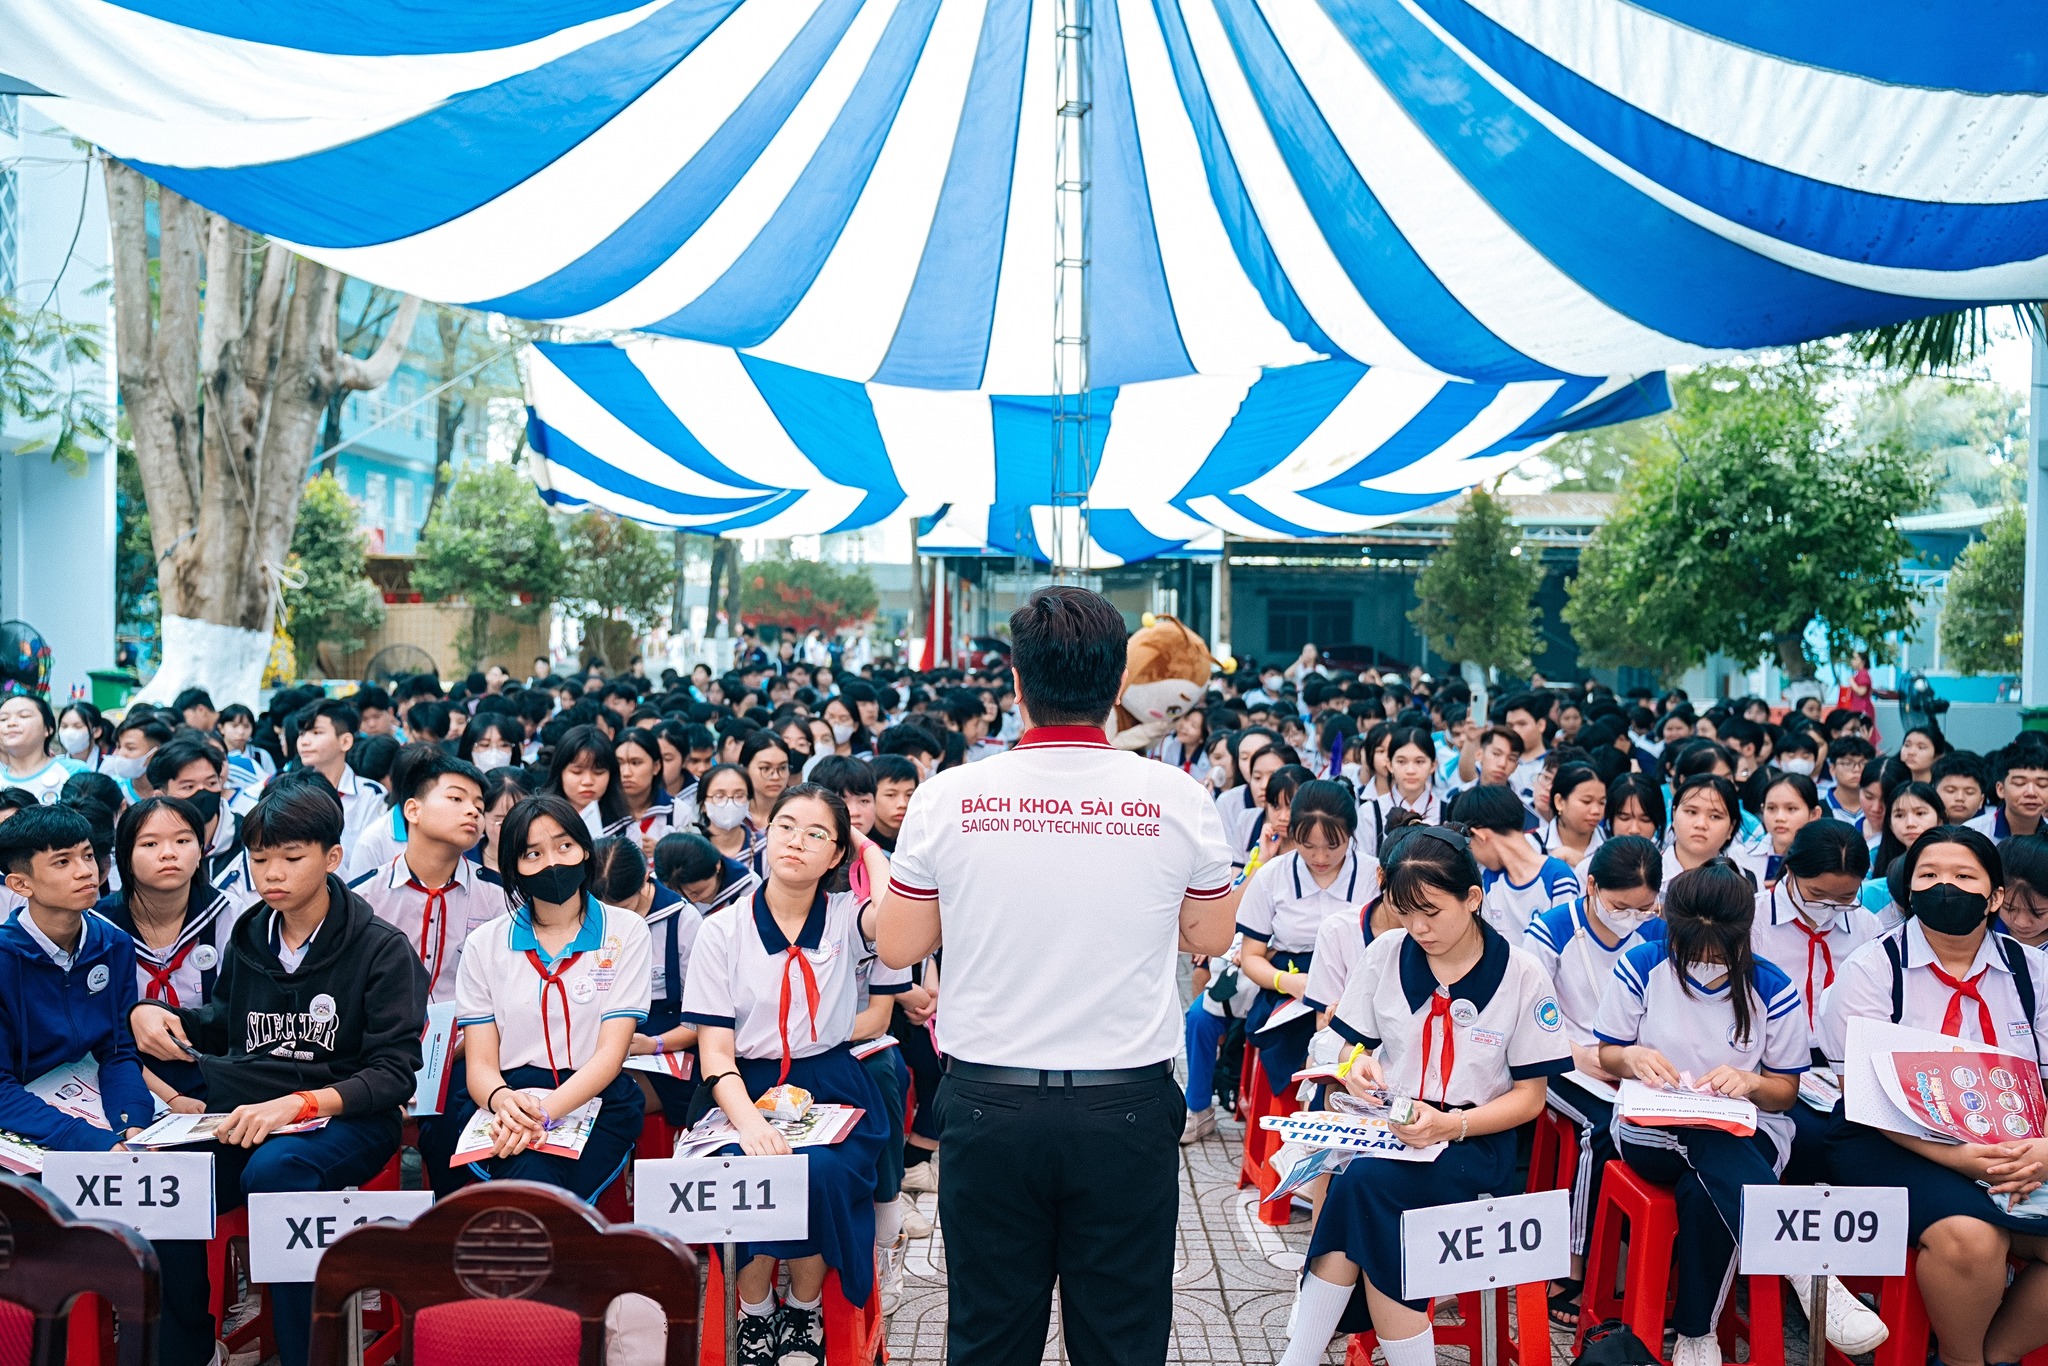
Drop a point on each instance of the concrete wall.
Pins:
(436, 627)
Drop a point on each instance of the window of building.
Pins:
(1293, 623)
(10, 114)
(401, 506)
(10, 230)
(373, 501)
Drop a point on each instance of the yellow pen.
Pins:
(1344, 1068)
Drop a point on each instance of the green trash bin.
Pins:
(112, 688)
(2034, 718)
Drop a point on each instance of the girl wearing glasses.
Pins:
(766, 761)
(774, 988)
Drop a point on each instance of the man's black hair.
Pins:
(157, 732)
(847, 777)
(343, 716)
(429, 719)
(41, 829)
(175, 754)
(1489, 807)
(193, 697)
(432, 765)
(372, 756)
(1068, 650)
(894, 768)
(370, 697)
(909, 739)
(290, 813)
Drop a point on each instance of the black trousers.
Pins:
(1077, 1185)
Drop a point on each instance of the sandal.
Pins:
(1564, 1303)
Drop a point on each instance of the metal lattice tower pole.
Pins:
(1071, 463)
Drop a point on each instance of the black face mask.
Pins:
(556, 883)
(1947, 909)
(208, 804)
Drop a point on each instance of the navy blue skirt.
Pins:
(1285, 1051)
(611, 1144)
(674, 1095)
(1933, 1192)
(1362, 1211)
(843, 1174)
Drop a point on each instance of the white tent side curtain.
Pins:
(1492, 190)
(703, 438)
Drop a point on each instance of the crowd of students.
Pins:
(250, 914)
(1494, 913)
(219, 911)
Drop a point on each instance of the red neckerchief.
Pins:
(159, 987)
(796, 955)
(1816, 941)
(1952, 1019)
(437, 901)
(1439, 1009)
(553, 978)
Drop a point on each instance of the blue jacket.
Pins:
(50, 1017)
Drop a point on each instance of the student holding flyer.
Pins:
(1944, 969)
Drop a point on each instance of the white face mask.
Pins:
(1271, 685)
(75, 739)
(1623, 921)
(841, 734)
(488, 759)
(1799, 765)
(123, 766)
(726, 813)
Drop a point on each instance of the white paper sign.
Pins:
(159, 1194)
(430, 1082)
(725, 1199)
(290, 1231)
(1486, 1244)
(1836, 1230)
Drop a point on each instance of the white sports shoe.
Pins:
(1704, 1351)
(915, 1223)
(891, 1258)
(923, 1179)
(1201, 1123)
(1853, 1326)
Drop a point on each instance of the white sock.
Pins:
(888, 1222)
(1316, 1311)
(761, 1310)
(806, 1305)
(1419, 1350)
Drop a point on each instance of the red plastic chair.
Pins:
(1530, 1349)
(505, 1262)
(853, 1337)
(1255, 1100)
(1553, 1153)
(60, 1273)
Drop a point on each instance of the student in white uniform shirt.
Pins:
(1239, 803)
(1698, 1005)
(1578, 942)
(1528, 715)
(1790, 803)
(1411, 766)
(549, 997)
(650, 813)
(179, 924)
(1450, 1014)
(1260, 772)
(773, 990)
(2024, 915)
(28, 748)
(585, 773)
(191, 768)
(1521, 881)
(383, 838)
(1946, 970)
(1706, 818)
(1283, 909)
(1578, 803)
(326, 733)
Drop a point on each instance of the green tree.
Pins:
(1983, 620)
(1595, 461)
(1751, 519)
(45, 399)
(333, 600)
(799, 595)
(490, 545)
(1477, 593)
(135, 603)
(620, 579)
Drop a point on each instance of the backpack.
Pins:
(1611, 1342)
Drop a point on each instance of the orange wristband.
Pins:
(309, 1107)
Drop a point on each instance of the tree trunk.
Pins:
(1792, 654)
(679, 607)
(719, 559)
(449, 409)
(733, 570)
(225, 399)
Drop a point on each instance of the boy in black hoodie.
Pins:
(318, 1014)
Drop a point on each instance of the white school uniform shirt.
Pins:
(553, 1020)
(1581, 968)
(1341, 941)
(743, 968)
(361, 800)
(47, 781)
(1283, 908)
(227, 863)
(1811, 954)
(382, 840)
(1509, 907)
(1073, 857)
(437, 921)
(658, 820)
(1863, 987)
(1239, 814)
(1523, 779)
(1373, 814)
(178, 973)
(1695, 1029)
(682, 919)
(1736, 853)
(1544, 837)
(1497, 1025)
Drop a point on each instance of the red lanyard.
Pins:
(437, 904)
(553, 978)
(796, 955)
(1952, 1021)
(1816, 941)
(1439, 1009)
(159, 987)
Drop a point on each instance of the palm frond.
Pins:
(1940, 341)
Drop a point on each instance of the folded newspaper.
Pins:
(677, 1066)
(1684, 1106)
(1359, 1135)
(820, 1125)
(174, 1131)
(566, 1137)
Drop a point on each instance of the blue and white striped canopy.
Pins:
(683, 434)
(1496, 190)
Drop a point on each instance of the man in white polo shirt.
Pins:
(1064, 878)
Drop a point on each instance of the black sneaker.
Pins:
(802, 1337)
(759, 1338)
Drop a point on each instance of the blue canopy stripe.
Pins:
(1499, 191)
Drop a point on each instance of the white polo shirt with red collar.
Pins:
(1059, 869)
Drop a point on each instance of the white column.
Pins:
(2034, 637)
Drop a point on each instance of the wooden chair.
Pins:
(506, 1273)
(50, 1261)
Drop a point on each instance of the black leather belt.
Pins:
(1030, 1076)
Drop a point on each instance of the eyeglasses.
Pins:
(817, 837)
(774, 771)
